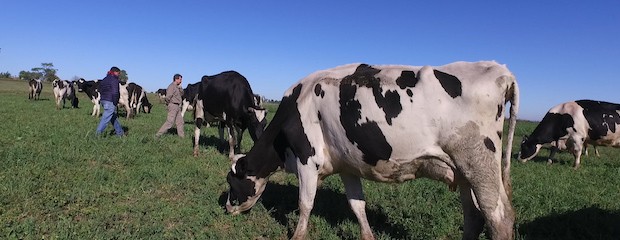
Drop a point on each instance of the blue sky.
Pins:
(559, 50)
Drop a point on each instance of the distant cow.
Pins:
(190, 95)
(161, 93)
(64, 90)
(35, 88)
(227, 97)
(91, 89)
(573, 125)
(391, 124)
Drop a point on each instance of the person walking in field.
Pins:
(110, 94)
(173, 101)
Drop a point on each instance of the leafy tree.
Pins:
(27, 75)
(47, 70)
(123, 76)
(5, 75)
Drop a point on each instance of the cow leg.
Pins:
(552, 152)
(232, 141)
(482, 170)
(473, 219)
(576, 145)
(308, 183)
(220, 129)
(596, 151)
(239, 134)
(197, 136)
(355, 196)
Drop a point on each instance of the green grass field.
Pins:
(59, 181)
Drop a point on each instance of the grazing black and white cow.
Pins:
(34, 89)
(64, 90)
(161, 93)
(227, 97)
(391, 124)
(136, 97)
(573, 125)
(146, 105)
(190, 95)
(123, 100)
(91, 89)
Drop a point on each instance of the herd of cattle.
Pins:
(388, 123)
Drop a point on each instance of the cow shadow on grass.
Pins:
(212, 141)
(588, 223)
(330, 205)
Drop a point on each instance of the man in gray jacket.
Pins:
(173, 101)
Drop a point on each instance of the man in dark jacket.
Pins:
(109, 91)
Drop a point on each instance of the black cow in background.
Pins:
(161, 93)
(227, 97)
(572, 126)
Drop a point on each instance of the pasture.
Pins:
(59, 181)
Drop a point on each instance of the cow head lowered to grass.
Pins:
(391, 124)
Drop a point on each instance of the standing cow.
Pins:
(91, 89)
(64, 90)
(123, 100)
(391, 124)
(573, 125)
(136, 97)
(34, 89)
(228, 98)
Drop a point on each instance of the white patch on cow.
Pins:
(499, 211)
(234, 162)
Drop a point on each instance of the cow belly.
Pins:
(610, 140)
(403, 170)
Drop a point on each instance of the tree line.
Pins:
(47, 73)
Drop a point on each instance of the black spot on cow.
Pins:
(499, 134)
(318, 90)
(489, 144)
(407, 79)
(601, 116)
(291, 134)
(409, 93)
(368, 136)
(364, 76)
(390, 103)
(450, 83)
(319, 115)
(500, 110)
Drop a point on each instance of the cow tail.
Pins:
(512, 96)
